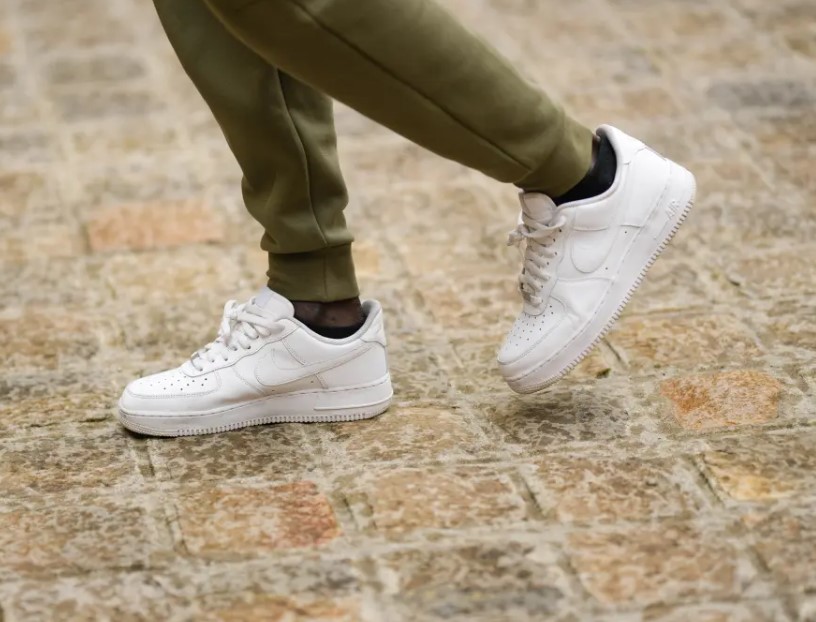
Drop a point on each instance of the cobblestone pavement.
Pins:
(671, 477)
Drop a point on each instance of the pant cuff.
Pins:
(567, 163)
(319, 276)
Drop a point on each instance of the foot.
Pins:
(583, 260)
(265, 367)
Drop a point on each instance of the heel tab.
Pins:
(375, 329)
(625, 146)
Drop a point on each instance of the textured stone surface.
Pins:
(227, 522)
(410, 433)
(764, 468)
(651, 343)
(592, 489)
(786, 542)
(276, 453)
(52, 540)
(647, 565)
(669, 477)
(401, 501)
(45, 399)
(293, 590)
(596, 414)
(140, 227)
(480, 581)
(718, 612)
(723, 400)
(54, 463)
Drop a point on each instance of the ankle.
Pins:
(600, 176)
(327, 315)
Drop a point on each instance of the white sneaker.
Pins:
(265, 367)
(583, 260)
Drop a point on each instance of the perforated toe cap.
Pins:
(159, 392)
(172, 383)
(528, 331)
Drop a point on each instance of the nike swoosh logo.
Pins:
(589, 254)
(595, 242)
(270, 374)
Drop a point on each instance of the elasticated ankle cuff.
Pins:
(319, 276)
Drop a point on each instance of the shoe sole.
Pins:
(590, 336)
(304, 407)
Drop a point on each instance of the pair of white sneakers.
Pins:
(582, 262)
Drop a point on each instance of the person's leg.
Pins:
(282, 133)
(591, 227)
(412, 67)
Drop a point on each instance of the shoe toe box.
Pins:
(534, 341)
(165, 391)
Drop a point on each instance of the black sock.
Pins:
(335, 332)
(599, 178)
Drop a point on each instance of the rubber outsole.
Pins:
(520, 385)
(324, 406)
(368, 412)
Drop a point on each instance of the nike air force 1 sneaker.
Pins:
(265, 367)
(583, 260)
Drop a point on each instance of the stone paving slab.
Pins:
(670, 477)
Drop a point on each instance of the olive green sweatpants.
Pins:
(269, 68)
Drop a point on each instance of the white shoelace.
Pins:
(537, 238)
(240, 325)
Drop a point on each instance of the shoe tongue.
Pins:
(273, 303)
(537, 206)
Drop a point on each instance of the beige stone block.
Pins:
(367, 259)
(592, 414)
(407, 434)
(785, 131)
(650, 102)
(485, 302)
(105, 141)
(42, 400)
(294, 588)
(499, 579)
(227, 522)
(153, 225)
(765, 467)
(43, 241)
(270, 453)
(20, 190)
(5, 42)
(786, 542)
(726, 399)
(398, 502)
(94, 535)
(58, 463)
(649, 343)
(777, 273)
(788, 323)
(768, 611)
(674, 283)
(122, 181)
(692, 21)
(274, 608)
(21, 146)
(603, 489)
(653, 564)
(44, 338)
(418, 364)
(165, 278)
(735, 174)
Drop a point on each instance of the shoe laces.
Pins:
(535, 237)
(241, 324)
